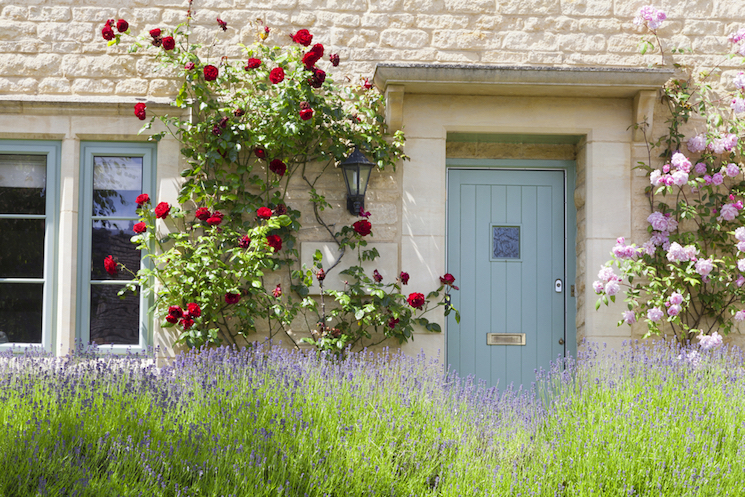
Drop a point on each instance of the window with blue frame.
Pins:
(112, 176)
(28, 224)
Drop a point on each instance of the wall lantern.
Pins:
(356, 170)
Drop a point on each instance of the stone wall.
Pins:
(54, 47)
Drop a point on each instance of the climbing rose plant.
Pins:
(688, 277)
(216, 262)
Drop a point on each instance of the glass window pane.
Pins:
(113, 238)
(114, 320)
(117, 181)
(506, 242)
(21, 312)
(22, 248)
(23, 183)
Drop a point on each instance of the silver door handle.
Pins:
(558, 286)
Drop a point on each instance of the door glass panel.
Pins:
(22, 248)
(21, 312)
(23, 182)
(117, 181)
(113, 238)
(506, 242)
(114, 320)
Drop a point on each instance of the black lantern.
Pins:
(356, 171)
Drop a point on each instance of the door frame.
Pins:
(570, 229)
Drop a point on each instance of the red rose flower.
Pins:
(142, 199)
(404, 278)
(172, 319)
(264, 212)
(122, 25)
(321, 274)
(367, 85)
(277, 75)
(392, 322)
(244, 242)
(302, 37)
(238, 112)
(176, 311)
(110, 265)
(155, 33)
(448, 279)
(260, 152)
(334, 58)
(275, 242)
(169, 43)
(187, 323)
(362, 213)
(202, 213)
(194, 310)
(278, 167)
(215, 218)
(232, 298)
(217, 130)
(189, 66)
(306, 114)
(252, 63)
(319, 76)
(377, 276)
(210, 72)
(108, 33)
(362, 227)
(140, 111)
(416, 300)
(314, 55)
(223, 25)
(277, 292)
(110, 23)
(139, 227)
(162, 210)
(281, 210)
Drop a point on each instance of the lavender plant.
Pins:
(653, 420)
(687, 278)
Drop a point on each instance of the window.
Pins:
(28, 223)
(112, 176)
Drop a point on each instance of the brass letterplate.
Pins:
(505, 338)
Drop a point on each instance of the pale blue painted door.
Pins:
(506, 247)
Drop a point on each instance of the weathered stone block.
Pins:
(303, 19)
(92, 87)
(582, 43)
(16, 13)
(399, 38)
(75, 66)
(346, 5)
(459, 57)
(164, 87)
(471, 6)
(74, 31)
(57, 14)
(92, 14)
(460, 39)
(54, 86)
(385, 5)
(14, 31)
(30, 65)
(517, 40)
(137, 17)
(530, 7)
(597, 8)
(132, 87)
(427, 21)
(699, 27)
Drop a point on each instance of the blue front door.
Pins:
(506, 246)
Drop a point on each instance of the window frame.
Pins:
(89, 150)
(52, 151)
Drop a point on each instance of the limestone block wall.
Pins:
(54, 47)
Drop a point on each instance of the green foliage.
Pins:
(704, 209)
(245, 133)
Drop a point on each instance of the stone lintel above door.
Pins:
(397, 79)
